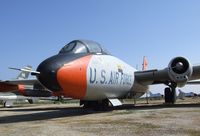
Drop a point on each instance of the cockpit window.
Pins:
(68, 47)
(80, 48)
(83, 46)
(74, 47)
(95, 49)
(105, 50)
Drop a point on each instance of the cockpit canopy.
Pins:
(83, 46)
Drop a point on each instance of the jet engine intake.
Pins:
(180, 70)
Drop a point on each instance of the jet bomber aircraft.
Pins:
(84, 70)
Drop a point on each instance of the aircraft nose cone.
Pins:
(48, 73)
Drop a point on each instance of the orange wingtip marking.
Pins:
(21, 89)
(72, 77)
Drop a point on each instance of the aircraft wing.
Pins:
(21, 82)
(26, 87)
(179, 71)
(196, 73)
(13, 85)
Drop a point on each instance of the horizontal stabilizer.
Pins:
(27, 69)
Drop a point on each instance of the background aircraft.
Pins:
(8, 98)
(155, 96)
(84, 70)
(182, 94)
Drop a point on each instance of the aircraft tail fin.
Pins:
(24, 74)
(145, 63)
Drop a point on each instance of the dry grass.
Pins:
(56, 120)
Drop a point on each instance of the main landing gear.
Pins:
(95, 105)
(170, 93)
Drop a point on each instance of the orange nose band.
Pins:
(72, 77)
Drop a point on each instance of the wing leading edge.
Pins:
(179, 71)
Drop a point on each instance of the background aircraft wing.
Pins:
(193, 83)
(179, 71)
(13, 85)
(21, 82)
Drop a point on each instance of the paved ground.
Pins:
(128, 120)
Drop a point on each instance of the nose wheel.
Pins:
(95, 105)
(170, 93)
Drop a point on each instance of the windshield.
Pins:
(68, 47)
(74, 47)
(80, 48)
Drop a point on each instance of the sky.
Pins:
(31, 31)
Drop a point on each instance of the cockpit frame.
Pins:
(83, 46)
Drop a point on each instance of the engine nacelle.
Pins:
(180, 70)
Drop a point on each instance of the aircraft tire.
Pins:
(173, 96)
(4, 104)
(95, 105)
(30, 101)
(168, 95)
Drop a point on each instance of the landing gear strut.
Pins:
(170, 93)
(95, 105)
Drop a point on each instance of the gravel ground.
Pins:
(128, 120)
